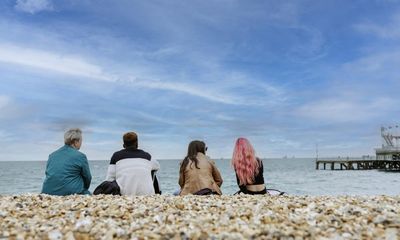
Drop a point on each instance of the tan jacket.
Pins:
(193, 179)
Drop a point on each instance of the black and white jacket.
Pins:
(132, 169)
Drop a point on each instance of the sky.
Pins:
(287, 75)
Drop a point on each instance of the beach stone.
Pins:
(198, 217)
(3, 214)
(55, 235)
(392, 233)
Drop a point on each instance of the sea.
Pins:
(294, 176)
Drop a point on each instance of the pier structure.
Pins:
(358, 164)
(390, 149)
(387, 157)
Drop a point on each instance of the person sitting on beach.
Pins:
(198, 173)
(133, 169)
(67, 170)
(248, 168)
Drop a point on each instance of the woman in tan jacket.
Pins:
(198, 173)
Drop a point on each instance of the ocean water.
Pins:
(293, 176)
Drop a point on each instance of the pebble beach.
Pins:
(34, 216)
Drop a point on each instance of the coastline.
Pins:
(199, 217)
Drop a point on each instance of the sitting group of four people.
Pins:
(132, 170)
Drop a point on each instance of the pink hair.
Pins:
(244, 161)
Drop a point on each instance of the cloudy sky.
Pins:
(286, 74)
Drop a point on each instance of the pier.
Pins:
(387, 157)
(387, 165)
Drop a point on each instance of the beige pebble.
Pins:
(33, 216)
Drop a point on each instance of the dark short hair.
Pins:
(130, 139)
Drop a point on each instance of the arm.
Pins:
(154, 165)
(155, 184)
(216, 175)
(111, 176)
(242, 188)
(181, 177)
(87, 177)
(181, 180)
(262, 169)
(112, 169)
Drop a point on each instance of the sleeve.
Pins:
(111, 171)
(47, 167)
(262, 170)
(242, 188)
(261, 167)
(87, 177)
(156, 186)
(154, 165)
(216, 175)
(111, 175)
(181, 177)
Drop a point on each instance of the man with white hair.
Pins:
(67, 170)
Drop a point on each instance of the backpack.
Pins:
(108, 187)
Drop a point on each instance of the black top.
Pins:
(258, 179)
(129, 153)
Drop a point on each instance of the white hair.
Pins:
(72, 135)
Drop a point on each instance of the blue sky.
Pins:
(285, 74)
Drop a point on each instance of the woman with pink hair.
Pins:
(248, 168)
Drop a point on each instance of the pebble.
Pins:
(77, 217)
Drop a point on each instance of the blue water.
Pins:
(294, 176)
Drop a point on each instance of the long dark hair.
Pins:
(193, 148)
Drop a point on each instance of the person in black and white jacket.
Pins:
(133, 169)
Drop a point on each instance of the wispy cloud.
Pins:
(381, 65)
(78, 66)
(360, 91)
(309, 47)
(34, 6)
(389, 29)
(46, 60)
(345, 109)
(11, 111)
(4, 100)
(280, 73)
(190, 89)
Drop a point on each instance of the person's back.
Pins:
(67, 172)
(206, 176)
(198, 172)
(132, 169)
(248, 168)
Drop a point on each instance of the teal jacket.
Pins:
(67, 172)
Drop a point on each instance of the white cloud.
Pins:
(71, 65)
(184, 88)
(78, 66)
(380, 64)
(344, 109)
(224, 117)
(4, 100)
(3, 135)
(389, 30)
(33, 6)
